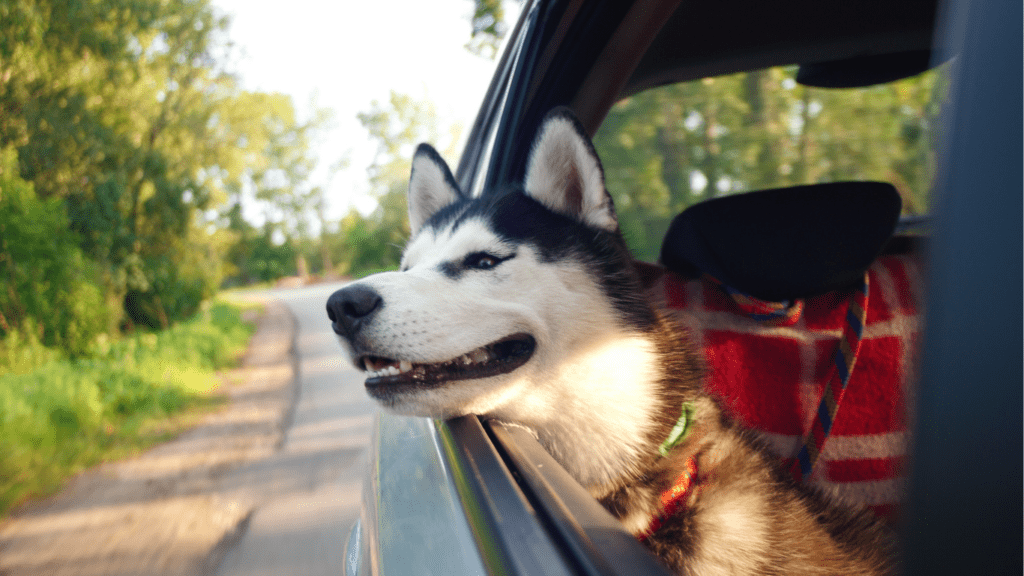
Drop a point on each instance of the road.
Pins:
(269, 484)
(313, 482)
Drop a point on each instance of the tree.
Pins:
(670, 147)
(121, 111)
(374, 242)
(109, 104)
(487, 28)
(286, 162)
(254, 256)
(47, 287)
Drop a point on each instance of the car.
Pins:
(465, 496)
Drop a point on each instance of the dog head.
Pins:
(500, 299)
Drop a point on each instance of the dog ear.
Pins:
(431, 186)
(565, 175)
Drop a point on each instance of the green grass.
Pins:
(59, 416)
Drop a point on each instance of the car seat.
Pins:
(807, 311)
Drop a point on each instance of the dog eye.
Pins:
(481, 261)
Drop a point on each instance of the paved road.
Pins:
(315, 479)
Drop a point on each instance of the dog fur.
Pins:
(523, 305)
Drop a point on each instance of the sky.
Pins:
(344, 55)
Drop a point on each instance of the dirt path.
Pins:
(175, 509)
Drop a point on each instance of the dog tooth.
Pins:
(404, 366)
(480, 355)
(466, 359)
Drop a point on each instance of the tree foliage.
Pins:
(487, 28)
(124, 120)
(671, 147)
(48, 290)
(374, 242)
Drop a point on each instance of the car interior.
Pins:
(833, 263)
(800, 252)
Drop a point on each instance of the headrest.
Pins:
(865, 71)
(785, 243)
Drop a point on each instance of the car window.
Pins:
(670, 147)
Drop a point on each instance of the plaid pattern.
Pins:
(772, 375)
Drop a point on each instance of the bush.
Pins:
(256, 258)
(174, 280)
(48, 290)
(64, 415)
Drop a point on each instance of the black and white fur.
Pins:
(524, 306)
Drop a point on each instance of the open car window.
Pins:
(724, 140)
(670, 147)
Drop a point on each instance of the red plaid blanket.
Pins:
(771, 376)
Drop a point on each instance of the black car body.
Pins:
(466, 496)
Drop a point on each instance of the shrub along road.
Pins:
(281, 463)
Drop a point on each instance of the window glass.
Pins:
(673, 146)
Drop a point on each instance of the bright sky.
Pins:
(347, 54)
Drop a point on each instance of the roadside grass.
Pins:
(59, 416)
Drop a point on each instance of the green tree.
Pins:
(48, 289)
(371, 243)
(487, 28)
(109, 104)
(121, 109)
(272, 166)
(254, 256)
(286, 163)
(670, 147)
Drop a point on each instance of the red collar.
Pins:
(674, 499)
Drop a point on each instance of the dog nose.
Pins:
(350, 307)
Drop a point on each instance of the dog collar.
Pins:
(673, 499)
(680, 430)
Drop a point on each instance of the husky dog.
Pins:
(524, 306)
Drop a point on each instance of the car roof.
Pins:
(702, 39)
(589, 55)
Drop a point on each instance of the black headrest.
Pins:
(785, 243)
(865, 71)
